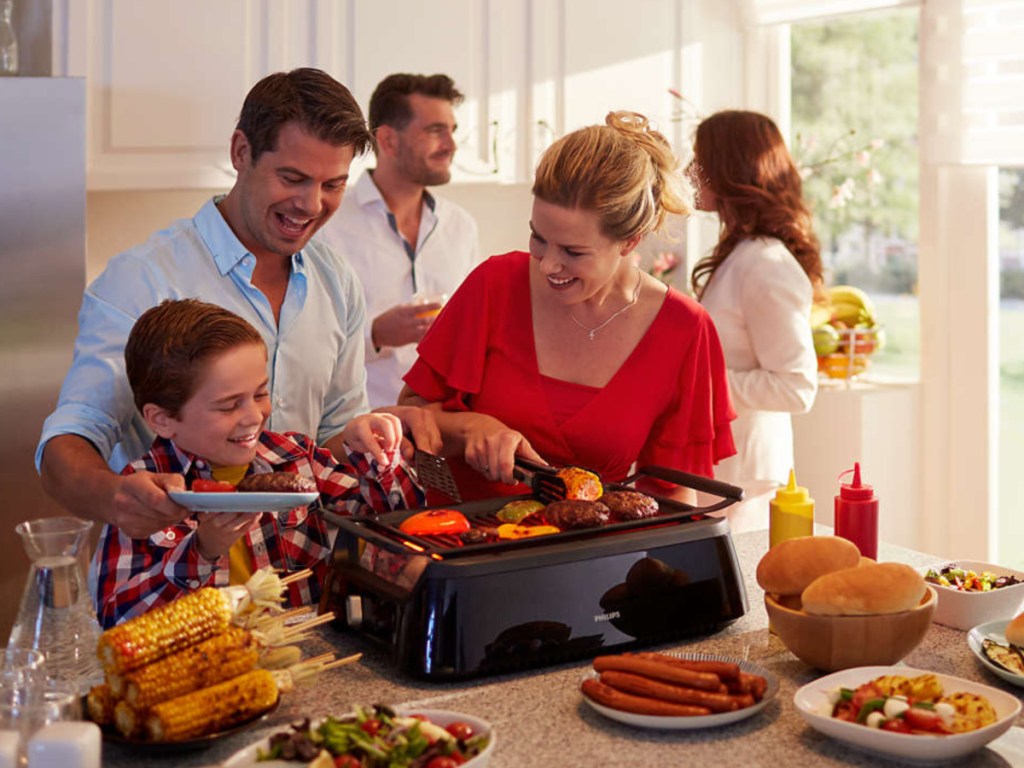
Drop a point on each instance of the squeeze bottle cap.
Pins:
(855, 491)
(792, 493)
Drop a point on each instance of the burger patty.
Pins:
(575, 513)
(278, 482)
(629, 505)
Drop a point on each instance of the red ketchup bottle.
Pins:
(857, 514)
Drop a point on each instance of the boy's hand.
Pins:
(378, 434)
(217, 531)
(140, 505)
(422, 425)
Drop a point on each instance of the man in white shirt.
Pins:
(410, 249)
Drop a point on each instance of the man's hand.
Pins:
(140, 505)
(403, 324)
(77, 477)
(422, 426)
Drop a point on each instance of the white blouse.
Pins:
(760, 300)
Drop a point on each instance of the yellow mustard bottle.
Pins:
(790, 513)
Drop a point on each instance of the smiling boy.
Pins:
(198, 375)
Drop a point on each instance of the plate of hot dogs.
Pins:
(677, 691)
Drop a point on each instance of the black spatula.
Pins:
(434, 472)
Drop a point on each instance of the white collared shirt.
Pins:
(363, 231)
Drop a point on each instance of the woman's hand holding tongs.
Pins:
(491, 448)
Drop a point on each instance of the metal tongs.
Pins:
(542, 479)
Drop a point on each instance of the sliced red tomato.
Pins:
(199, 485)
(844, 711)
(863, 695)
(347, 761)
(442, 761)
(435, 522)
(919, 719)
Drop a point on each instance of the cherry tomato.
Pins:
(460, 730)
(347, 761)
(370, 726)
(896, 725)
(199, 485)
(442, 761)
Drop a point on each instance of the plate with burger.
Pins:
(263, 492)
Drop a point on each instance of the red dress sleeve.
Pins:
(695, 433)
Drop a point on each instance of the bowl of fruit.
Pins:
(846, 332)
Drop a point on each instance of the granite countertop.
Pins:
(540, 718)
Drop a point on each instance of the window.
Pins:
(1011, 367)
(854, 133)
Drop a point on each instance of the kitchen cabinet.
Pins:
(165, 78)
(42, 276)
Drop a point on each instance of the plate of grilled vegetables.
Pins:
(999, 655)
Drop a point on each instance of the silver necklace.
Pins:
(592, 331)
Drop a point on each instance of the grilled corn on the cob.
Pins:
(99, 703)
(128, 720)
(212, 709)
(190, 619)
(212, 661)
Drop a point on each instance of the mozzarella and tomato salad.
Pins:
(376, 737)
(912, 706)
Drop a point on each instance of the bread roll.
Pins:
(792, 564)
(857, 591)
(1015, 631)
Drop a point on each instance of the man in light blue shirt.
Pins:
(250, 252)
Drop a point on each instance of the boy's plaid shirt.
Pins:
(130, 576)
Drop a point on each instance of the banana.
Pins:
(851, 314)
(842, 295)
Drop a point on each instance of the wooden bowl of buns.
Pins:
(835, 610)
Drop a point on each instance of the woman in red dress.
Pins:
(570, 354)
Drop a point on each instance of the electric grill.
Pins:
(451, 610)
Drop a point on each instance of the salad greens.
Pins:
(375, 737)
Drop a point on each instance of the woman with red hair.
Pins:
(758, 284)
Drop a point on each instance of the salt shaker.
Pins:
(67, 744)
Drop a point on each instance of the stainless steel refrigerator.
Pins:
(42, 276)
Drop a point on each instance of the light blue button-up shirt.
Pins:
(315, 353)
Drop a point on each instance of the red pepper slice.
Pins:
(435, 522)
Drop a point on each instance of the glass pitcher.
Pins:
(56, 615)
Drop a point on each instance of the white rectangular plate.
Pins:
(235, 501)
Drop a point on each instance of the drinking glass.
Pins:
(22, 667)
